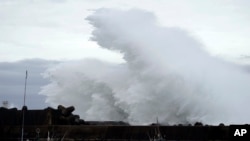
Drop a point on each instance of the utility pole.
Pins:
(24, 98)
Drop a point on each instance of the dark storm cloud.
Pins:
(12, 79)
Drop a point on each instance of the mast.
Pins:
(24, 98)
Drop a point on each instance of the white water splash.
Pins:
(166, 74)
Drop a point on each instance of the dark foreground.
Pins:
(115, 133)
(61, 124)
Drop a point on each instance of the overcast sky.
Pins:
(43, 31)
(12, 76)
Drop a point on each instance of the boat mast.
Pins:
(24, 98)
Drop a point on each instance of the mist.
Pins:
(166, 73)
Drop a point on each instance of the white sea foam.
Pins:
(166, 74)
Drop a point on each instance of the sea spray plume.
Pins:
(70, 85)
(166, 74)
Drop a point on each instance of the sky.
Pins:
(12, 76)
(35, 34)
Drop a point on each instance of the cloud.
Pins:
(12, 77)
(39, 33)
